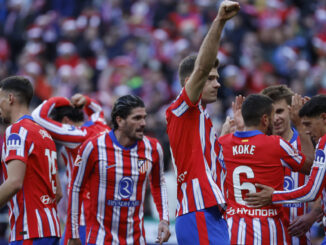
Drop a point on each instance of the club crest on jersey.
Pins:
(143, 165)
(14, 141)
(126, 186)
(45, 134)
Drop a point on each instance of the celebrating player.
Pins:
(313, 115)
(285, 114)
(29, 164)
(251, 155)
(193, 142)
(117, 165)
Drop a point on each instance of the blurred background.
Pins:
(109, 48)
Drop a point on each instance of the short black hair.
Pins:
(254, 107)
(74, 114)
(279, 92)
(123, 106)
(187, 66)
(314, 107)
(20, 86)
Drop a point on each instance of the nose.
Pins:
(143, 122)
(216, 84)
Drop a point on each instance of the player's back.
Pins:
(252, 157)
(33, 210)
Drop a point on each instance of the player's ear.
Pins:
(119, 120)
(323, 117)
(11, 98)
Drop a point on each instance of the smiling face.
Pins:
(134, 125)
(210, 89)
(315, 126)
(282, 122)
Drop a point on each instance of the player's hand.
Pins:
(302, 224)
(227, 10)
(163, 232)
(236, 108)
(260, 199)
(296, 105)
(78, 100)
(74, 242)
(228, 126)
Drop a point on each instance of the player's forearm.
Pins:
(8, 189)
(307, 147)
(309, 192)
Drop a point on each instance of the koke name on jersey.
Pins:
(243, 149)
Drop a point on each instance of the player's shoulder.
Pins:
(322, 142)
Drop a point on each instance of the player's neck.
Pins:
(123, 140)
(287, 135)
(252, 128)
(18, 112)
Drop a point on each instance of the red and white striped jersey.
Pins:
(294, 180)
(117, 178)
(194, 150)
(253, 157)
(67, 134)
(33, 210)
(316, 183)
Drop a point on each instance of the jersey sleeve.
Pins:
(182, 104)
(290, 157)
(158, 185)
(83, 167)
(18, 143)
(312, 189)
(65, 134)
(94, 111)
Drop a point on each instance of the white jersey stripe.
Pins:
(212, 139)
(131, 210)
(75, 194)
(25, 224)
(16, 213)
(197, 194)
(242, 232)
(103, 159)
(256, 225)
(39, 223)
(116, 209)
(283, 233)
(230, 223)
(21, 149)
(54, 213)
(184, 200)
(272, 231)
(50, 220)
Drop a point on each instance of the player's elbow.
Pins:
(15, 185)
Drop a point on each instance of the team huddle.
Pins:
(251, 185)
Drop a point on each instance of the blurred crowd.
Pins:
(109, 48)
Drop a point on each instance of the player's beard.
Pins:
(269, 130)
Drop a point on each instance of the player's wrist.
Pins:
(166, 222)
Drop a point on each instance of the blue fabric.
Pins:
(82, 235)
(40, 241)
(324, 241)
(217, 230)
(115, 141)
(246, 134)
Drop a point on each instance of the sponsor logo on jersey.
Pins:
(45, 199)
(45, 134)
(77, 161)
(126, 186)
(252, 212)
(123, 203)
(14, 141)
(143, 165)
(288, 183)
(182, 177)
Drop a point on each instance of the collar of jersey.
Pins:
(26, 117)
(115, 141)
(294, 136)
(245, 134)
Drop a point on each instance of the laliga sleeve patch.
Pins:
(14, 142)
(320, 158)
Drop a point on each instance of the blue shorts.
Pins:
(324, 241)
(82, 235)
(202, 227)
(38, 241)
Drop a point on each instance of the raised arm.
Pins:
(66, 134)
(208, 50)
